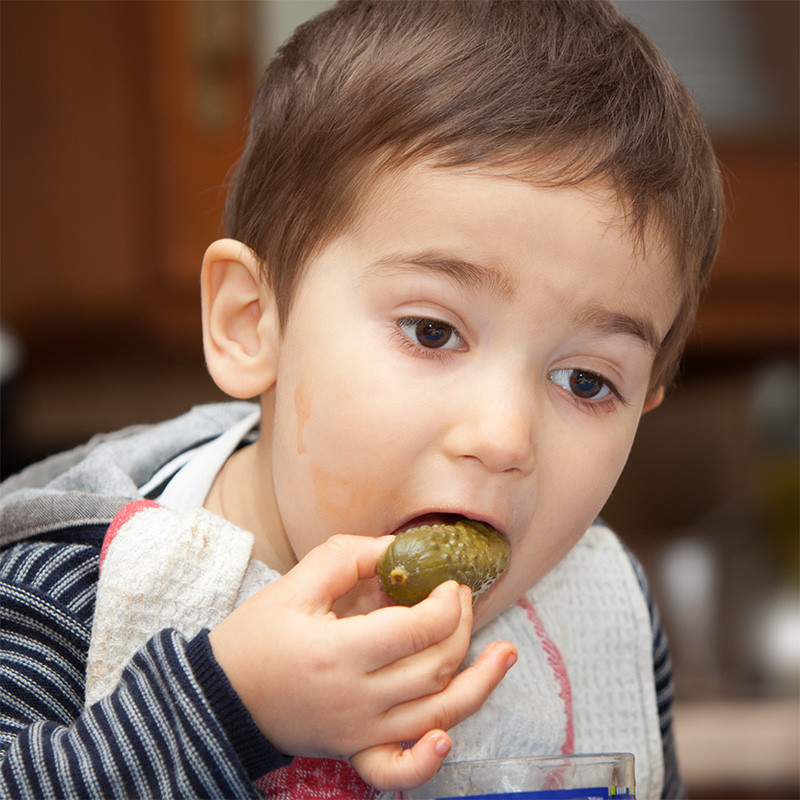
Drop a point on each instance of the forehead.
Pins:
(382, 180)
(429, 194)
(567, 249)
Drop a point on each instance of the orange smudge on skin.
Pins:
(341, 499)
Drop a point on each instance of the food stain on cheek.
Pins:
(302, 405)
(339, 501)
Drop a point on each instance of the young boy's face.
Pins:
(473, 346)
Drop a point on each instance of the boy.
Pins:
(467, 243)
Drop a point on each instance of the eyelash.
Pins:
(607, 404)
(420, 350)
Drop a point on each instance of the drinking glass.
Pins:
(575, 777)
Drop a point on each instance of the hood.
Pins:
(90, 484)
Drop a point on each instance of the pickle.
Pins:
(420, 558)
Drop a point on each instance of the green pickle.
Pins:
(419, 559)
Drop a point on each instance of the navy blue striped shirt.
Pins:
(173, 728)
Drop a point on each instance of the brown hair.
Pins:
(559, 91)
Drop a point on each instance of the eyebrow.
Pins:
(615, 322)
(480, 277)
(464, 273)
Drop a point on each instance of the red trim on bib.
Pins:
(556, 662)
(125, 514)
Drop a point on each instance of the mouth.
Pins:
(435, 547)
(432, 518)
(446, 518)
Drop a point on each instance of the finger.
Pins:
(427, 670)
(462, 697)
(333, 568)
(389, 767)
(397, 632)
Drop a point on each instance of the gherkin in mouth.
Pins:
(420, 558)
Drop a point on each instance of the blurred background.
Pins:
(120, 121)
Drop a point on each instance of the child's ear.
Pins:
(240, 322)
(654, 399)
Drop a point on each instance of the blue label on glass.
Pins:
(590, 793)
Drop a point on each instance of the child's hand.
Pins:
(356, 687)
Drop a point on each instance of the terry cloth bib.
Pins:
(583, 682)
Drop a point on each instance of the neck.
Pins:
(242, 493)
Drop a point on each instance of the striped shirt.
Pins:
(173, 728)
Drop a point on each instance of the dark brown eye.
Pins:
(582, 384)
(431, 333)
(585, 384)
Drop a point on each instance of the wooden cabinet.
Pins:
(120, 122)
(751, 308)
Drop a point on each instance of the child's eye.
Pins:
(583, 384)
(431, 334)
(587, 389)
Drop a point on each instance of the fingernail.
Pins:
(442, 746)
(511, 659)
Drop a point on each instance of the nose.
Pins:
(493, 423)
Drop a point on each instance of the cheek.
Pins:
(594, 453)
(573, 484)
(302, 407)
(334, 461)
(340, 500)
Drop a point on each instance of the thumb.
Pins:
(333, 568)
(389, 767)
